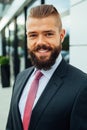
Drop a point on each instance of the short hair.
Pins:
(45, 10)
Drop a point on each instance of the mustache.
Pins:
(44, 47)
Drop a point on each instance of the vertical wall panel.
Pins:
(78, 34)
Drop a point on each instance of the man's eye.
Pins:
(49, 34)
(32, 35)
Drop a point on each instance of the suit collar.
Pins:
(59, 72)
(17, 91)
(25, 76)
(62, 69)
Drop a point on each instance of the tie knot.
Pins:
(38, 74)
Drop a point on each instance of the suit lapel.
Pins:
(51, 89)
(20, 83)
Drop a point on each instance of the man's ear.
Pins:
(62, 35)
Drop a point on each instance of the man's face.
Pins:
(44, 41)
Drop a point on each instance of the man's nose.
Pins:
(40, 40)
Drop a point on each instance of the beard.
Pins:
(40, 63)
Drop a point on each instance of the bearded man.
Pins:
(61, 99)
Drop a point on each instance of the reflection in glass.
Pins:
(10, 37)
(20, 40)
(7, 41)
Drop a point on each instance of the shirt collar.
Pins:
(49, 73)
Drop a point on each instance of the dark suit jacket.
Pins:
(62, 105)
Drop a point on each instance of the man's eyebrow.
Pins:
(44, 31)
(48, 31)
(32, 32)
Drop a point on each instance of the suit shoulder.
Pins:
(74, 71)
(25, 72)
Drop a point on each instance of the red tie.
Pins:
(30, 100)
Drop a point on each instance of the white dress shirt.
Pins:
(42, 84)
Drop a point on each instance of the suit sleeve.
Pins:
(9, 120)
(79, 112)
(13, 122)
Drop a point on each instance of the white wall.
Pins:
(78, 34)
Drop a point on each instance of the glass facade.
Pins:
(10, 39)
(21, 41)
(7, 47)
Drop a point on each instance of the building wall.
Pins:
(78, 34)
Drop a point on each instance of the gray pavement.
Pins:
(5, 97)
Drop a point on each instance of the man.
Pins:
(61, 101)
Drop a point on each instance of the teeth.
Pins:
(42, 50)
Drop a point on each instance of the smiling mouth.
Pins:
(43, 50)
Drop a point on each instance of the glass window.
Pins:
(20, 40)
(7, 40)
(61, 5)
(11, 37)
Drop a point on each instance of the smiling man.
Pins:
(61, 99)
(44, 34)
